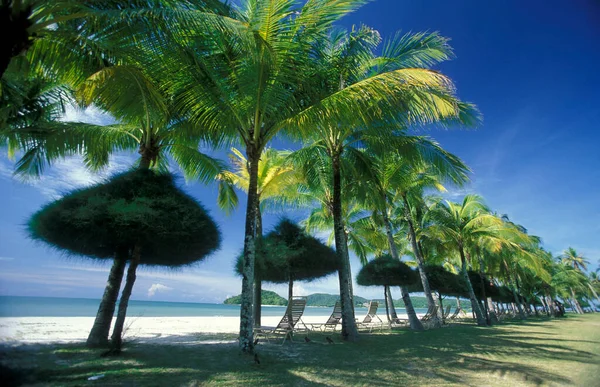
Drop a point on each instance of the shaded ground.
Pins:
(536, 352)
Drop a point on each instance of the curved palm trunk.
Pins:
(488, 318)
(387, 303)
(474, 303)
(117, 335)
(290, 295)
(413, 319)
(514, 292)
(99, 334)
(246, 318)
(390, 303)
(576, 303)
(349, 329)
(520, 299)
(257, 280)
(436, 321)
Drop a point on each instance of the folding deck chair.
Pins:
(285, 327)
(429, 314)
(369, 321)
(333, 320)
(455, 314)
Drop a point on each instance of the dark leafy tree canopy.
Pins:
(140, 207)
(386, 271)
(289, 251)
(442, 281)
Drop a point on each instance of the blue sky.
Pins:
(531, 67)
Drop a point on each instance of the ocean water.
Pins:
(12, 306)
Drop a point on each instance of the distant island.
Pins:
(328, 300)
(317, 299)
(268, 298)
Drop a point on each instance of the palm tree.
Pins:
(274, 176)
(263, 78)
(572, 258)
(401, 180)
(348, 60)
(68, 38)
(462, 226)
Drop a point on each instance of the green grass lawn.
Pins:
(534, 352)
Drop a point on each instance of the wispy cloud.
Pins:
(69, 174)
(91, 115)
(156, 288)
(6, 259)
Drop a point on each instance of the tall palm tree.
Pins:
(462, 226)
(348, 59)
(400, 180)
(572, 258)
(262, 79)
(69, 37)
(275, 175)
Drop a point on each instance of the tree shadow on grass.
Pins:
(455, 355)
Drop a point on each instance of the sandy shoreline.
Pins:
(43, 330)
(29, 330)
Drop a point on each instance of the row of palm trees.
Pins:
(183, 76)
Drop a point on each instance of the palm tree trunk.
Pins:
(576, 303)
(349, 329)
(436, 322)
(99, 334)
(290, 296)
(257, 281)
(512, 288)
(413, 319)
(117, 335)
(474, 303)
(387, 304)
(390, 303)
(483, 295)
(441, 302)
(246, 316)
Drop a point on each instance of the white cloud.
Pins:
(6, 259)
(155, 288)
(91, 115)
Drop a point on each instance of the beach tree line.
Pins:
(180, 77)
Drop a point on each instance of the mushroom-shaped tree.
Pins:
(442, 282)
(140, 216)
(288, 254)
(387, 271)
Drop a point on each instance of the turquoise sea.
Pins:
(12, 306)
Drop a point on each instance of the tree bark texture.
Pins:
(387, 303)
(290, 296)
(577, 308)
(349, 329)
(257, 281)
(390, 303)
(246, 316)
(436, 320)
(99, 334)
(117, 335)
(474, 303)
(488, 319)
(413, 319)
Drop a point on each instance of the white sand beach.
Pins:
(159, 330)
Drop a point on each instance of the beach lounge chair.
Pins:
(286, 328)
(455, 314)
(369, 321)
(332, 322)
(447, 311)
(429, 313)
